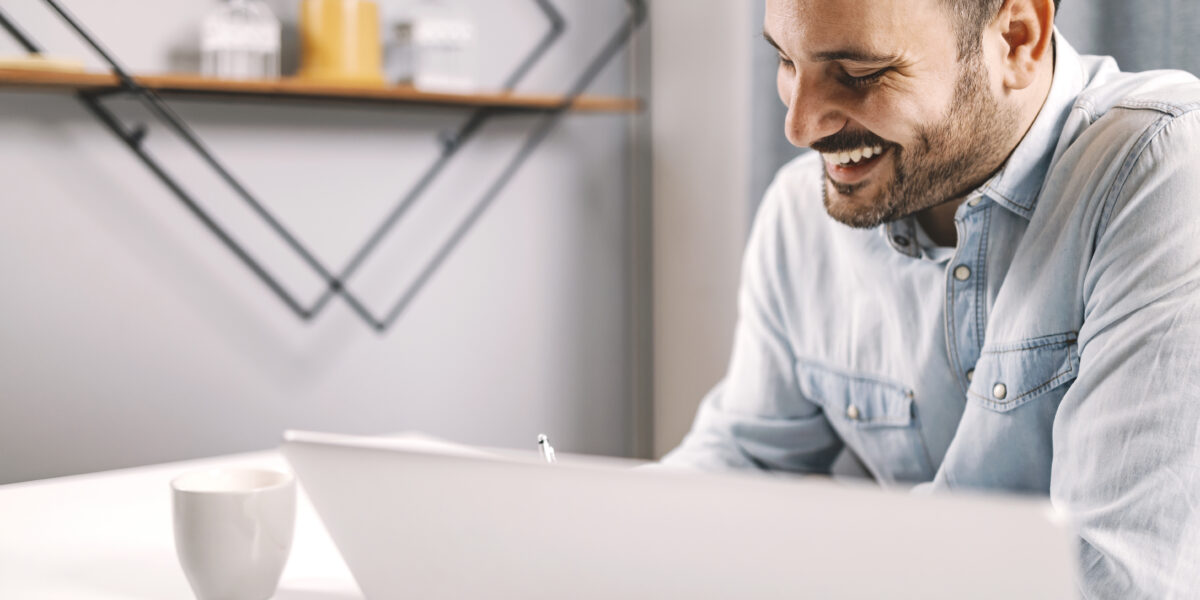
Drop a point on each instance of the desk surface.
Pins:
(109, 536)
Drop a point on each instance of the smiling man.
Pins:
(987, 277)
(919, 120)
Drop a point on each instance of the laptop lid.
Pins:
(419, 519)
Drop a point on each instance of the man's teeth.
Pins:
(853, 156)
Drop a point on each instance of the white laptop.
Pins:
(415, 519)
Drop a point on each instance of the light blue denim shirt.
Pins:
(1055, 350)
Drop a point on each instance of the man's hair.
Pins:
(970, 17)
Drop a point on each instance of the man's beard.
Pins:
(946, 161)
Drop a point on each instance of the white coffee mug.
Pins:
(233, 530)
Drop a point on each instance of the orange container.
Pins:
(339, 41)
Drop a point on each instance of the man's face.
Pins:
(877, 87)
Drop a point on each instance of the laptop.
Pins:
(415, 518)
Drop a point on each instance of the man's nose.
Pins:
(812, 113)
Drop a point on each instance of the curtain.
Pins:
(1140, 34)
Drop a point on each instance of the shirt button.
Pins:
(970, 374)
(852, 413)
(962, 272)
(999, 391)
(900, 240)
(973, 202)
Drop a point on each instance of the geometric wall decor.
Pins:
(450, 143)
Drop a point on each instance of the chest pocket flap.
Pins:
(865, 402)
(1009, 375)
(874, 417)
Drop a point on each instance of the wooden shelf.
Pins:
(301, 89)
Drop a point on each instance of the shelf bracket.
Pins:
(138, 134)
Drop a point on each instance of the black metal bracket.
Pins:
(451, 144)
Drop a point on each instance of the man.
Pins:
(986, 277)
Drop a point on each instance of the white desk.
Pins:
(108, 536)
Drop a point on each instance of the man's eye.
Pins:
(865, 80)
(785, 63)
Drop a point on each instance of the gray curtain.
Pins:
(1140, 34)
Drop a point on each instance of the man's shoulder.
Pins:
(1124, 111)
(794, 198)
(796, 187)
(792, 221)
(1126, 129)
(1113, 120)
(800, 173)
(1115, 93)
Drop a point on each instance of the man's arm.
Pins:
(1127, 434)
(756, 417)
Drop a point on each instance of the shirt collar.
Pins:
(908, 238)
(1019, 182)
(901, 235)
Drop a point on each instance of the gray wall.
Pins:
(701, 118)
(769, 148)
(129, 335)
(1144, 35)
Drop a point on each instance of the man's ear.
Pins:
(1027, 30)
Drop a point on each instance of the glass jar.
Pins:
(240, 40)
(444, 48)
(398, 54)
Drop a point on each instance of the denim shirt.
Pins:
(1054, 351)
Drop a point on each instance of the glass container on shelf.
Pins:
(444, 45)
(240, 40)
(398, 53)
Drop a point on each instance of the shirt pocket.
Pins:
(874, 417)
(1009, 375)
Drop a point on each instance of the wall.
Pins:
(1151, 34)
(129, 335)
(700, 115)
(769, 147)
